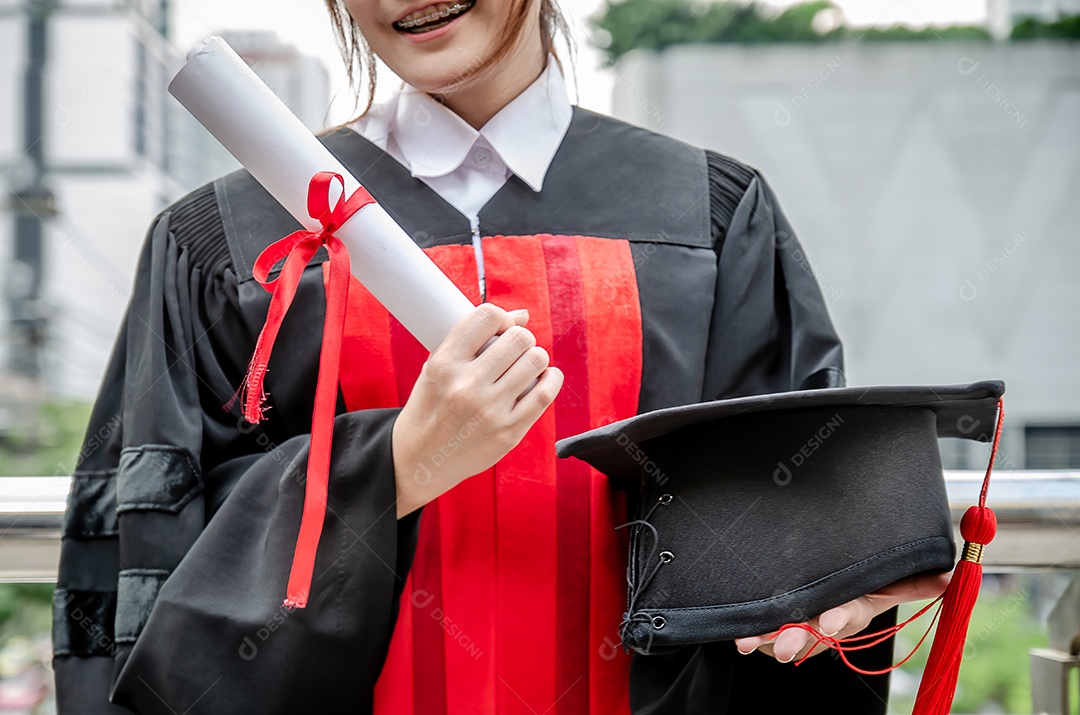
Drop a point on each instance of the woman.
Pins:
(651, 272)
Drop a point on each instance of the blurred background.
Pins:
(927, 153)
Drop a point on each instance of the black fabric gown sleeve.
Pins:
(770, 332)
(182, 517)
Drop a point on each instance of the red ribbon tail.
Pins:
(322, 429)
(252, 391)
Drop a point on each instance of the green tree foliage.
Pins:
(1067, 28)
(656, 24)
(903, 32)
(25, 609)
(627, 25)
(45, 444)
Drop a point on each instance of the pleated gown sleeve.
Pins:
(182, 517)
(770, 332)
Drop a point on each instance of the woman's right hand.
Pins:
(463, 414)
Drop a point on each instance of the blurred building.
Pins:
(87, 135)
(1002, 15)
(936, 189)
(301, 81)
(109, 148)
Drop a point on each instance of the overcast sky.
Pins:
(307, 26)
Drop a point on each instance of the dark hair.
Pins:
(360, 60)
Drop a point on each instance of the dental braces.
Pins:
(424, 19)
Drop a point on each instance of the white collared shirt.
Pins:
(466, 166)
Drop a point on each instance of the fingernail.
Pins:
(519, 311)
(788, 638)
(832, 631)
(739, 646)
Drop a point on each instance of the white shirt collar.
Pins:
(433, 141)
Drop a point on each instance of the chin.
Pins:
(438, 71)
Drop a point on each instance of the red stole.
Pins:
(517, 589)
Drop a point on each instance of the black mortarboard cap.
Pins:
(759, 511)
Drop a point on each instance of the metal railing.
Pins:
(31, 512)
(1038, 528)
(1038, 515)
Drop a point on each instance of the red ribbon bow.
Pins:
(297, 249)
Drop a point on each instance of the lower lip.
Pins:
(432, 34)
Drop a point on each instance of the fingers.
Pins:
(525, 370)
(512, 359)
(912, 588)
(539, 398)
(470, 333)
(844, 620)
(835, 620)
(508, 349)
(790, 644)
(496, 350)
(840, 622)
(749, 645)
(794, 643)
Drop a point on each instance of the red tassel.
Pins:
(978, 527)
(938, 685)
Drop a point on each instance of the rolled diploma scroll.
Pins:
(227, 98)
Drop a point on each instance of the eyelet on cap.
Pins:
(666, 557)
(665, 498)
(658, 622)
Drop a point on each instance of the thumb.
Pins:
(520, 316)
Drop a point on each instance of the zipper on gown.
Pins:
(474, 223)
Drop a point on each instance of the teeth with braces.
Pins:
(438, 14)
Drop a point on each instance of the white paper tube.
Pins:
(227, 97)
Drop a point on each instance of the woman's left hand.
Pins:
(845, 620)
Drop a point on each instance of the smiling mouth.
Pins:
(433, 17)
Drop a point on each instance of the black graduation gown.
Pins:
(181, 519)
